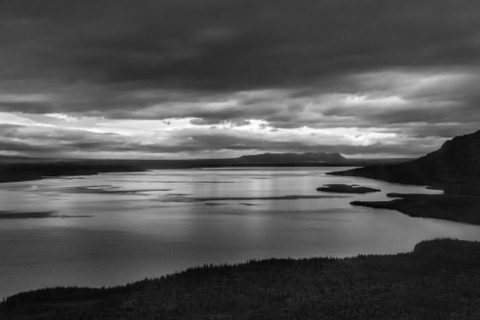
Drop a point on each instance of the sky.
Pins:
(175, 79)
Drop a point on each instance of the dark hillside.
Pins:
(439, 280)
(455, 167)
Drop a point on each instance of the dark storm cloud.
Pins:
(227, 45)
(40, 141)
(291, 64)
(44, 139)
(235, 123)
(375, 115)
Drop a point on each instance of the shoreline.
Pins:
(6, 178)
(460, 201)
(35, 169)
(449, 206)
(456, 208)
(436, 280)
(363, 278)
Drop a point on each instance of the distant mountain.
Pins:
(454, 167)
(21, 169)
(307, 157)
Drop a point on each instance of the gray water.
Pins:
(116, 228)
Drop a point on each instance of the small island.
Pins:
(345, 188)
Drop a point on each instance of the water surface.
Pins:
(115, 228)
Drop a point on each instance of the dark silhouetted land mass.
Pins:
(454, 168)
(22, 169)
(345, 188)
(9, 215)
(176, 198)
(438, 280)
(460, 208)
(309, 157)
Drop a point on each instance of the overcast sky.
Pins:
(223, 78)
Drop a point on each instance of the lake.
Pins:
(115, 228)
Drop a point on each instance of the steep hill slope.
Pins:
(438, 280)
(455, 167)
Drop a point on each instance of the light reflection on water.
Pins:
(151, 223)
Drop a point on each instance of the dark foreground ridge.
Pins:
(454, 168)
(438, 280)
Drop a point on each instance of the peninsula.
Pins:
(454, 168)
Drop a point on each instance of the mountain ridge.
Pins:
(294, 157)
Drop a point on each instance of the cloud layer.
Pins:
(207, 78)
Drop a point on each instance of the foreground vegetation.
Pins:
(438, 280)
